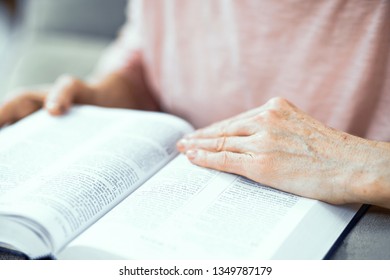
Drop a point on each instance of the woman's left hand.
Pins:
(280, 146)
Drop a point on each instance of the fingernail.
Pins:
(55, 109)
(182, 143)
(51, 105)
(191, 154)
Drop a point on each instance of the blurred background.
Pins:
(41, 39)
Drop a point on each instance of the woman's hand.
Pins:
(112, 91)
(280, 146)
(57, 100)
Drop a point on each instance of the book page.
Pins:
(36, 143)
(94, 158)
(188, 212)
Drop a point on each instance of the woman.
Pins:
(208, 61)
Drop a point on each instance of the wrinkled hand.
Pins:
(57, 100)
(280, 146)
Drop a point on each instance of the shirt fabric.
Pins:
(208, 60)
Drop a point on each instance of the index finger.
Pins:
(4, 116)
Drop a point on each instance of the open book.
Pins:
(109, 184)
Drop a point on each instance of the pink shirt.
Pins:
(207, 60)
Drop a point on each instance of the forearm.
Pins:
(118, 92)
(371, 184)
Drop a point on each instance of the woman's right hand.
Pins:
(57, 100)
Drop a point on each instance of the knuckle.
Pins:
(267, 116)
(205, 159)
(270, 114)
(278, 102)
(67, 81)
(248, 128)
(63, 90)
(263, 162)
(220, 144)
(265, 141)
(222, 129)
(225, 160)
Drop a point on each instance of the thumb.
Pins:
(4, 117)
(63, 94)
(20, 106)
